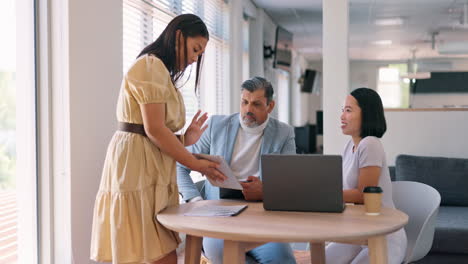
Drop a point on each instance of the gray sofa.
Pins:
(449, 176)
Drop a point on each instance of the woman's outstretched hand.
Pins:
(196, 128)
(210, 170)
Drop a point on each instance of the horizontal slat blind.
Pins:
(143, 22)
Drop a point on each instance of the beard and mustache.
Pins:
(250, 120)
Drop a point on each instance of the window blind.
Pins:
(143, 22)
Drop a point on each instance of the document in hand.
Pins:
(231, 182)
(216, 210)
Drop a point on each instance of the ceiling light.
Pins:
(389, 21)
(417, 75)
(383, 42)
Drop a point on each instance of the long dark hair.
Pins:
(164, 47)
(373, 118)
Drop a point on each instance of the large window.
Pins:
(283, 95)
(8, 201)
(143, 22)
(393, 89)
(18, 210)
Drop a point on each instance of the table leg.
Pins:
(193, 247)
(234, 252)
(378, 250)
(317, 252)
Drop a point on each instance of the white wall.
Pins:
(300, 102)
(95, 72)
(314, 101)
(439, 100)
(364, 74)
(269, 35)
(426, 133)
(258, 65)
(256, 43)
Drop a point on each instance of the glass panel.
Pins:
(25, 126)
(389, 87)
(8, 204)
(18, 210)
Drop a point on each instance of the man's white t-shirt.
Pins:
(245, 159)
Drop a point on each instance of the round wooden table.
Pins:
(256, 226)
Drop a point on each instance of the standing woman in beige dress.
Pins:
(139, 174)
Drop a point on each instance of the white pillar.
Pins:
(95, 72)
(235, 52)
(335, 72)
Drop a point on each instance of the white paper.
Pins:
(231, 182)
(216, 210)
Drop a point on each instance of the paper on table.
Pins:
(231, 182)
(216, 210)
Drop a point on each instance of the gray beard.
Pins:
(250, 124)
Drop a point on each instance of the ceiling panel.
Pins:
(421, 18)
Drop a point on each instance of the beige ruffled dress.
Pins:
(138, 179)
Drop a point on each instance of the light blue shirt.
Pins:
(219, 139)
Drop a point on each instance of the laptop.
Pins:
(309, 183)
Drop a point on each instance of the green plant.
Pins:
(7, 128)
(7, 101)
(7, 170)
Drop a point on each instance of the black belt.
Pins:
(132, 128)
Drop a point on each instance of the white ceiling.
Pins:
(420, 19)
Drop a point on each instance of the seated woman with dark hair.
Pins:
(364, 164)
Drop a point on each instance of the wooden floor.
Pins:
(302, 256)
